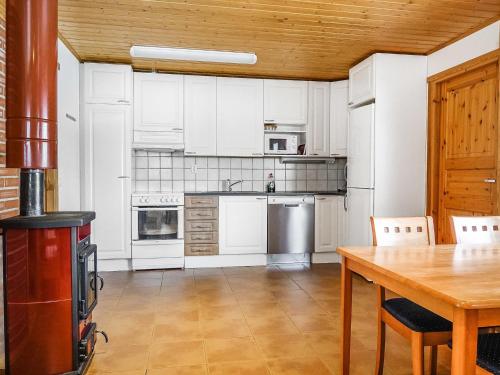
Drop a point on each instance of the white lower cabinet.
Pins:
(242, 225)
(106, 176)
(329, 223)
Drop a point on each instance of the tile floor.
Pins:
(251, 320)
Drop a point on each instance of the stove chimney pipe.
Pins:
(31, 96)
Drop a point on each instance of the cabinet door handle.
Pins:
(314, 154)
(268, 120)
(257, 154)
(320, 199)
(177, 129)
(123, 101)
(490, 180)
(123, 177)
(68, 116)
(190, 152)
(261, 198)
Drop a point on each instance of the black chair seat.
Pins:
(488, 352)
(416, 317)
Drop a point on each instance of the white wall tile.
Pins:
(201, 162)
(178, 162)
(235, 174)
(189, 162)
(190, 185)
(178, 186)
(141, 186)
(213, 186)
(246, 163)
(246, 174)
(280, 186)
(280, 174)
(246, 186)
(258, 163)
(224, 174)
(189, 175)
(224, 163)
(258, 174)
(166, 174)
(154, 186)
(166, 162)
(213, 175)
(202, 174)
(202, 186)
(141, 162)
(213, 163)
(154, 174)
(178, 174)
(269, 163)
(235, 163)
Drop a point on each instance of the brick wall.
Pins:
(9, 177)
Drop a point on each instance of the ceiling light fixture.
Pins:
(167, 53)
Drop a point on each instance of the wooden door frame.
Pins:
(435, 99)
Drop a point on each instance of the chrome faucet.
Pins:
(228, 185)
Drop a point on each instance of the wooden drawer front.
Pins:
(200, 226)
(201, 214)
(199, 201)
(190, 250)
(201, 237)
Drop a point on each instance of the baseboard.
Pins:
(106, 265)
(325, 258)
(212, 261)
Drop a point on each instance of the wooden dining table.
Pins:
(458, 282)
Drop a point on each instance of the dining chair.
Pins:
(479, 230)
(419, 325)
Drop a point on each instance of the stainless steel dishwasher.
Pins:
(290, 225)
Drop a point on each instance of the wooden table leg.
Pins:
(345, 317)
(463, 357)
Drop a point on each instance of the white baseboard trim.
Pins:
(212, 261)
(157, 263)
(107, 265)
(325, 258)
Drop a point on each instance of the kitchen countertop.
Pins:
(287, 193)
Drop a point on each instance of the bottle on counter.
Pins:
(271, 185)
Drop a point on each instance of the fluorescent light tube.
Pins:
(167, 53)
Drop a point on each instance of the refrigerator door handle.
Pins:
(345, 202)
(345, 171)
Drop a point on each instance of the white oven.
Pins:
(157, 231)
(280, 144)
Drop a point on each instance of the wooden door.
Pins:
(326, 223)
(469, 143)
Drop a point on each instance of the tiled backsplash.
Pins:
(167, 172)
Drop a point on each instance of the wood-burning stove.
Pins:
(51, 287)
(50, 273)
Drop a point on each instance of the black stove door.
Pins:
(87, 280)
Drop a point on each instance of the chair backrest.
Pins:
(476, 229)
(391, 231)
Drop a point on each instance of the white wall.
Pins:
(68, 119)
(470, 47)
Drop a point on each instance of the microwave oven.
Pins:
(280, 144)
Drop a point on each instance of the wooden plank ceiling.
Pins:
(311, 39)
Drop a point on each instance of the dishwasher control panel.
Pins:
(293, 199)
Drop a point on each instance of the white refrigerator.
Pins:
(387, 141)
(360, 174)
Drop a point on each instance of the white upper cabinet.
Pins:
(338, 118)
(240, 128)
(285, 102)
(242, 225)
(158, 102)
(318, 126)
(362, 82)
(107, 83)
(200, 119)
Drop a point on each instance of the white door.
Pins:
(359, 210)
(242, 225)
(107, 83)
(200, 115)
(68, 130)
(158, 102)
(285, 102)
(318, 126)
(326, 223)
(240, 127)
(360, 154)
(339, 92)
(107, 177)
(362, 82)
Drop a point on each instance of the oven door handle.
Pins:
(177, 208)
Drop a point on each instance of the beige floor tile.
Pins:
(239, 368)
(284, 346)
(179, 370)
(224, 328)
(259, 309)
(272, 326)
(312, 323)
(171, 354)
(180, 330)
(229, 350)
(221, 312)
(298, 366)
(126, 358)
(326, 342)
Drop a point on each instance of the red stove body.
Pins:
(51, 284)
